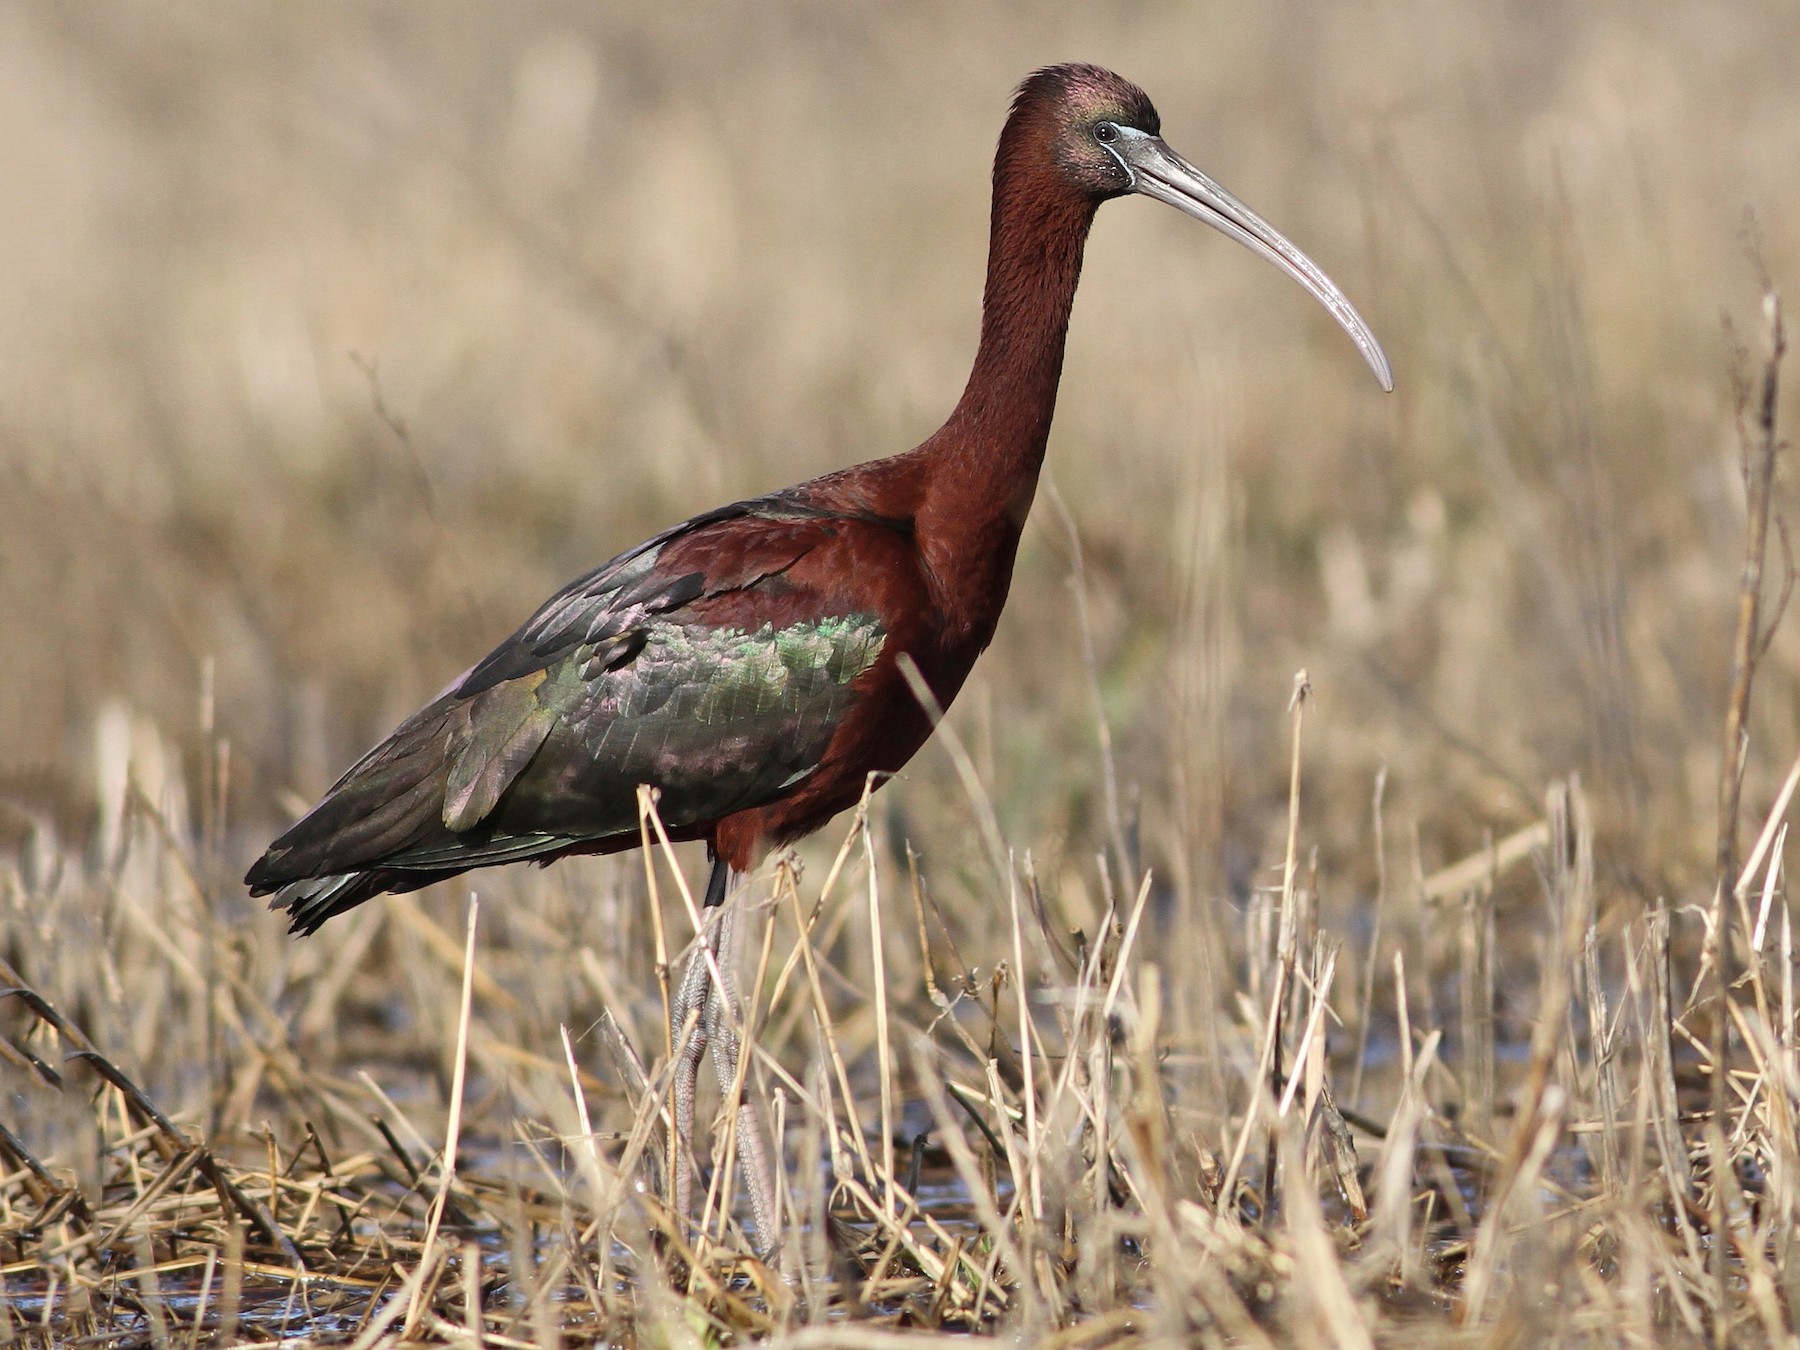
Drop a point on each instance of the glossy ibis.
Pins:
(746, 662)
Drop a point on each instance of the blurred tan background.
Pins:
(332, 338)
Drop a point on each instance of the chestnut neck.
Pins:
(983, 463)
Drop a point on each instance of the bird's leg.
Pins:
(687, 1031)
(704, 1014)
(722, 1018)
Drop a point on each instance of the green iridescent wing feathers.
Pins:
(621, 678)
(718, 719)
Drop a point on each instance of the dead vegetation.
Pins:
(1141, 1012)
(1438, 1133)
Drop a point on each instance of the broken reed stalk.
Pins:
(1747, 644)
(1266, 1084)
(1366, 999)
(1287, 935)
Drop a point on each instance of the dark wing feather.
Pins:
(727, 549)
(629, 675)
(599, 605)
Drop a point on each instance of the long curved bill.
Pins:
(1157, 171)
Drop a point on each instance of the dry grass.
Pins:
(334, 341)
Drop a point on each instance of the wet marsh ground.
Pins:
(1151, 1005)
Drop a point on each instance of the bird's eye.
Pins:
(1105, 132)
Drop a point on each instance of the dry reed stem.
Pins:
(1747, 646)
(415, 1296)
(878, 970)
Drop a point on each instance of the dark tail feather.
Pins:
(382, 826)
(311, 902)
(390, 800)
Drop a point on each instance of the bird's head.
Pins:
(1081, 112)
(1103, 137)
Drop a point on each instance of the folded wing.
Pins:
(696, 663)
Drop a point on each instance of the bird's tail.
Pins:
(414, 810)
(390, 802)
(311, 902)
